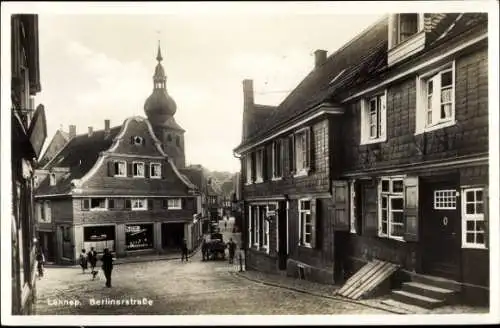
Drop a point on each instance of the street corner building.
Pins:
(376, 165)
(120, 187)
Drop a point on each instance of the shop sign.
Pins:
(37, 132)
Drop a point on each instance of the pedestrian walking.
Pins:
(184, 251)
(92, 257)
(107, 266)
(83, 260)
(204, 249)
(40, 259)
(231, 245)
(225, 225)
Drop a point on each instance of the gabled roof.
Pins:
(194, 175)
(79, 154)
(257, 115)
(311, 91)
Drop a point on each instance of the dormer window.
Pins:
(407, 26)
(52, 178)
(406, 36)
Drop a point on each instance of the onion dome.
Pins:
(159, 106)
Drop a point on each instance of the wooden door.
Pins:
(441, 229)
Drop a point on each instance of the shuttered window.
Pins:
(277, 159)
(391, 208)
(307, 222)
(474, 225)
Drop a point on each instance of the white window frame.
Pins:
(143, 169)
(420, 19)
(422, 109)
(259, 165)
(176, 206)
(302, 223)
(248, 159)
(114, 169)
(105, 208)
(151, 170)
(381, 123)
(390, 195)
(277, 164)
(352, 206)
(134, 202)
(477, 217)
(442, 201)
(302, 170)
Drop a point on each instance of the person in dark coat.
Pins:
(204, 249)
(231, 245)
(107, 266)
(184, 251)
(83, 260)
(92, 257)
(40, 259)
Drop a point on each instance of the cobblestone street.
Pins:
(195, 287)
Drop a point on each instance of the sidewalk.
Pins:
(327, 291)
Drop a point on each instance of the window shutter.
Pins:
(254, 165)
(150, 204)
(341, 201)
(269, 162)
(183, 203)
(244, 172)
(310, 148)
(146, 170)
(363, 126)
(436, 98)
(128, 204)
(486, 202)
(132, 140)
(291, 153)
(411, 208)
(383, 116)
(85, 204)
(314, 213)
(111, 203)
(111, 168)
(39, 211)
(48, 211)
(130, 169)
(268, 239)
(371, 209)
(250, 236)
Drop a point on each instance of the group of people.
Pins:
(91, 258)
(231, 246)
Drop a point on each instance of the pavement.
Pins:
(172, 287)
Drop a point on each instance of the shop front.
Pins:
(99, 237)
(139, 236)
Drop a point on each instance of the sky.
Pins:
(100, 66)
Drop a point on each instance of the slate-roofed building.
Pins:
(381, 152)
(120, 187)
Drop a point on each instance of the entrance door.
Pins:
(172, 235)
(282, 236)
(47, 244)
(441, 229)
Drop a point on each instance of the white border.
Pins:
(252, 9)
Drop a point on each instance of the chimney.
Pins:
(247, 93)
(319, 58)
(72, 131)
(91, 131)
(106, 128)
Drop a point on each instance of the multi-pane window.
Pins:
(174, 204)
(391, 200)
(259, 165)
(305, 222)
(473, 224)
(301, 151)
(373, 119)
(138, 169)
(98, 203)
(407, 26)
(139, 204)
(120, 169)
(155, 170)
(277, 158)
(445, 199)
(438, 97)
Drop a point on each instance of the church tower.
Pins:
(160, 109)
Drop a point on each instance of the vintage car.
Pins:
(216, 247)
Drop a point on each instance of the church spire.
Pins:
(159, 58)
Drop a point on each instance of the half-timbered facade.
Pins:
(381, 152)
